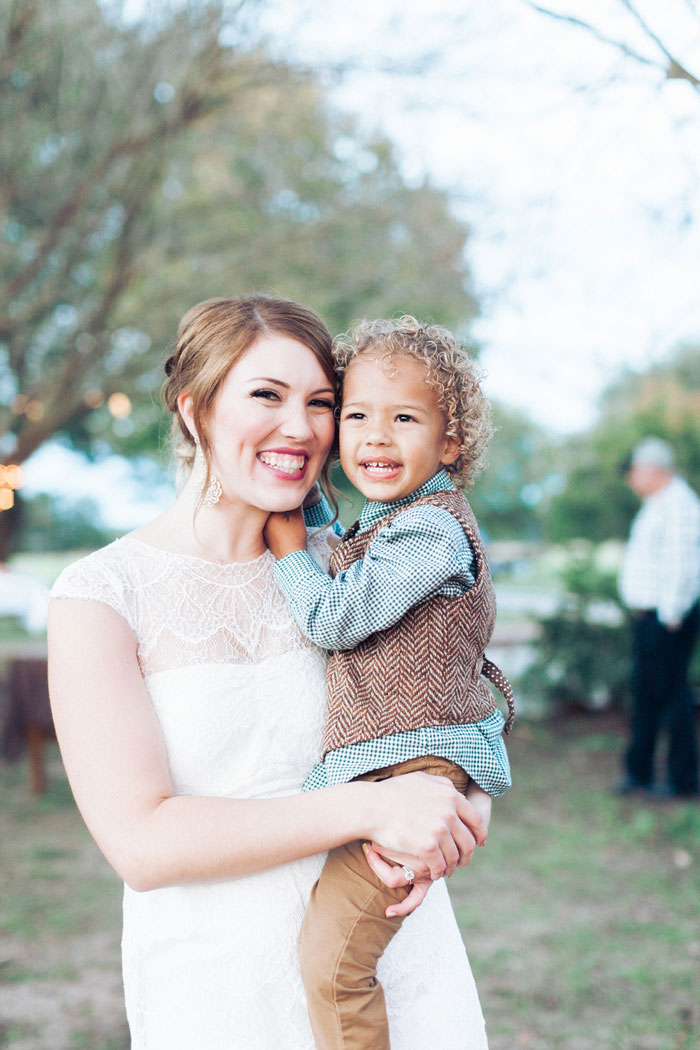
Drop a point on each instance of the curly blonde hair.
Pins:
(450, 372)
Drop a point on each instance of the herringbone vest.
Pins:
(426, 670)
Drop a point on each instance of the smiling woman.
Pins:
(221, 390)
(189, 709)
(266, 434)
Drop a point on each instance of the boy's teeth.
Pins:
(384, 467)
(287, 463)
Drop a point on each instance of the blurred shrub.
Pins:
(50, 524)
(583, 652)
(663, 400)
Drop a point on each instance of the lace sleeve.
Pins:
(94, 579)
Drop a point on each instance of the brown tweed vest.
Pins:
(427, 669)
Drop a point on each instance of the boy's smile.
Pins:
(392, 429)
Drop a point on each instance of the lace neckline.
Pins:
(266, 554)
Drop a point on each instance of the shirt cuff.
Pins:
(293, 569)
(320, 514)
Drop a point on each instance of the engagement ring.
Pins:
(408, 874)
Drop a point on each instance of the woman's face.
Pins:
(272, 425)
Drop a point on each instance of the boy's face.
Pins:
(392, 430)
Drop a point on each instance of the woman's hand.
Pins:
(394, 875)
(285, 532)
(390, 865)
(423, 816)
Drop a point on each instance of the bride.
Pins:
(189, 709)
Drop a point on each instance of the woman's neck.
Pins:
(224, 533)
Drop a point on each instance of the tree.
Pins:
(654, 50)
(664, 400)
(520, 475)
(49, 523)
(145, 167)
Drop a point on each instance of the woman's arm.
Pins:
(117, 766)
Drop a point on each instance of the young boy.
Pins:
(407, 610)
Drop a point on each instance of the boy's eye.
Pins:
(354, 415)
(403, 417)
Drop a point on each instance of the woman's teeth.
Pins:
(280, 461)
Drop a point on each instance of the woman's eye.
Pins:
(322, 402)
(266, 395)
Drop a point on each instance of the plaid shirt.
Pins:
(424, 552)
(661, 567)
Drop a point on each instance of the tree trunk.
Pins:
(9, 524)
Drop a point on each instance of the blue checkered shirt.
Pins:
(422, 553)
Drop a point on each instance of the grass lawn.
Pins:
(591, 936)
(582, 915)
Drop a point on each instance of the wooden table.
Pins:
(27, 722)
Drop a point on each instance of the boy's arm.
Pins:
(318, 513)
(407, 562)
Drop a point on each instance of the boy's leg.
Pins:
(345, 932)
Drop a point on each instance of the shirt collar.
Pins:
(374, 510)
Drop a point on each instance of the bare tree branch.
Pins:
(675, 70)
(672, 69)
(626, 50)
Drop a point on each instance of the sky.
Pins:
(578, 174)
(576, 169)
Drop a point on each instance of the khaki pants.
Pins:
(345, 933)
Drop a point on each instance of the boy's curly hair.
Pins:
(450, 372)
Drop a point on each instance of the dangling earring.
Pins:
(213, 492)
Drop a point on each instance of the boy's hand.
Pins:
(481, 802)
(285, 532)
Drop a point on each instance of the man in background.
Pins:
(660, 584)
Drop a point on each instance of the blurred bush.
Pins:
(583, 653)
(50, 524)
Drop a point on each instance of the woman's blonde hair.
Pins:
(450, 372)
(211, 338)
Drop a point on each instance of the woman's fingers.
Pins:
(391, 873)
(425, 815)
(394, 876)
(416, 897)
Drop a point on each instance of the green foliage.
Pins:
(583, 651)
(48, 523)
(520, 473)
(148, 166)
(663, 401)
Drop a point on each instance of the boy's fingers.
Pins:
(470, 816)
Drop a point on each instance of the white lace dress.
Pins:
(239, 694)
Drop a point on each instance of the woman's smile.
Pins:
(272, 425)
(289, 463)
